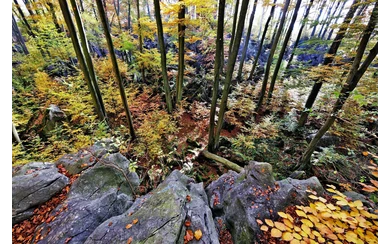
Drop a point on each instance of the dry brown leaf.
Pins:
(198, 234)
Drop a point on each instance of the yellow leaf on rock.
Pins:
(264, 228)
(295, 241)
(276, 233)
(300, 213)
(313, 197)
(269, 222)
(307, 222)
(287, 236)
(280, 226)
(306, 229)
(297, 236)
(351, 237)
(198, 234)
(288, 223)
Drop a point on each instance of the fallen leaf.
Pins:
(365, 154)
(276, 233)
(259, 222)
(68, 239)
(129, 240)
(264, 228)
(135, 221)
(198, 234)
(84, 165)
(189, 235)
(187, 223)
(109, 224)
(188, 198)
(128, 226)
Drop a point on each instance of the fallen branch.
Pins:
(223, 161)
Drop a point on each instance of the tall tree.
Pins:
(160, 35)
(129, 15)
(23, 17)
(115, 66)
(53, 16)
(262, 40)
(18, 35)
(229, 69)
(271, 55)
(330, 19)
(336, 19)
(248, 36)
(217, 64)
(329, 57)
(263, 11)
(283, 49)
(317, 21)
(117, 8)
(327, 18)
(304, 21)
(140, 38)
(80, 57)
(233, 34)
(87, 56)
(28, 6)
(356, 72)
(181, 32)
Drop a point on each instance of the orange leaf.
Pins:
(129, 240)
(198, 234)
(269, 222)
(188, 197)
(264, 228)
(189, 235)
(135, 221)
(365, 154)
(276, 233)
(187, 223)
(128, 226)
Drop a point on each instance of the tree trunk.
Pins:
(221, 160)
(115, 66)
(353, 78)
(16, 32)
(304, 20)
(29, 30)
(233, 34)
(330, 21)
(275, 30)
(262, 40)
(117, 11)
(230, 68)
(28, 6)
(336, 19)
(15, 134)
(318, 18)
(148, 9)
(129, 15)
(140, 40)
(281, 54)
(263, 11)
(248, 37)
(271, 55)
(327, 61)
(160, 35)
(181, 34)
(326, 19)
(53, 16)
(80, 57)
(217, 64)
(87, 56)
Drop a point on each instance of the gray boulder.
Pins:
(33, 185)
(101, 192)
(159, 216)
(239, 199)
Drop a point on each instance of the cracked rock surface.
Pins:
(34, 184)
(159, 216)
(102, 191)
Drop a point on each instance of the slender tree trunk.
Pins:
(16, 32)
(53, 16)
(81, 6)
(233, 34)
(353, 78)
(87, 56)
(326, 19)
(29, 30)
(28, 6)
(327, 61)
(181, 34)
(262, 40)
(148, 9)
(304, 20)
(318, 18)
(276, 28)
(15, 134)
(230, 68)
(129, 15)
(94, 10)
(271, 55)
(263, 11)
(117, 11)
(336, 19)
(248, 37)
(115, 66)
(140, 40)
(80, 57)
(281, 54)
(330, 21)
(217, 64)
(160, 35)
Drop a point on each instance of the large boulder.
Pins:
(239, 199)
(32, 185)
(159, 216)
(101, 192)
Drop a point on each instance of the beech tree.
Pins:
(335, 20)
(140, 40)
(233, 33)
(18, 35)
(181, 34)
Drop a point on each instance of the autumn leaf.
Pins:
(187, 223)
(188, 198)
(259, 222)
(287, 236)
(135, 221)
(129, 240)
(128, 226)
(189, 236)
(269, 222)
(109, 224)
(365, 154)
(264, 228)
(280, 226)
(198, 235)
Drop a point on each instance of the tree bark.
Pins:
(87, 56)
(223, 161)
(304, 20)
(327, 61)
(29, 30)
(233, 34)
(53, 16)
(281, 54)
(318, 18)
(248, 37)
(329, 21)
(336, 19)
(129, 15)
(16, 32)
(15, 134)
(181, 34)
(160, 35)
(140, 40)
(83, 66)
(326, 19)
(230, 68)
(271, 55)
(353, 78)
(115, 66)
(262, 40)
(117, 11)
(218, 60)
